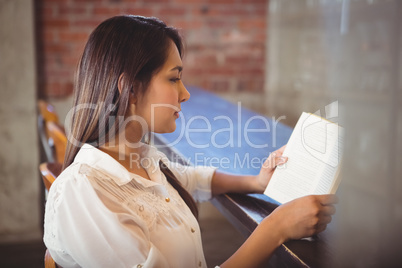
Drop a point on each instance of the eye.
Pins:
(174, 80)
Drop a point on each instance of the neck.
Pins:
(124, 144)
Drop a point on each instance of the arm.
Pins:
(258, 248)
(230, 183)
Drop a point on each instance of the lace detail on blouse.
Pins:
(139, 200)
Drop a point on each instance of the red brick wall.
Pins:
(225, 39)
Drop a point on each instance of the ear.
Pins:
(120, 86)
(120, 83)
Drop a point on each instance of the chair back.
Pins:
(58, 139)
(47, 111)
(49, 172)
(49, 262)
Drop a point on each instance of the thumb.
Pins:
(273, 161)
(280, 160)
(328, 199)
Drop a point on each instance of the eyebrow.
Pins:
(178, 67)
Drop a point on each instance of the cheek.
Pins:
(163, 111)
(165, 104)
(159, 114)
(161, 101)
(168, 96)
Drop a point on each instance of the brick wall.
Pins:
(225, 39)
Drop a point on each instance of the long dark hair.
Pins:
(135, 46)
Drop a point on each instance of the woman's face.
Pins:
(160, 105)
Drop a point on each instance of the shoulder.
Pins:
(82, 190)
(71, 175)
(73, 181)
(63, 183)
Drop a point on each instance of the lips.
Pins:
(176, 113)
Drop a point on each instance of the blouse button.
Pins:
(199, 264)
(167, 199)
(141, 208)
(139, 266)
(192, 230)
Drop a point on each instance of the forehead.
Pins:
(173, 58)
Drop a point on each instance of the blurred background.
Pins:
(277, 57)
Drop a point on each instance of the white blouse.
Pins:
(98, 214)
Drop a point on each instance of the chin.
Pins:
(167, 129)
(171, 130)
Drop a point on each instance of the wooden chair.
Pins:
(49, 172)
(47, 111)
(49, 262)
(50, 131)
(57, 139)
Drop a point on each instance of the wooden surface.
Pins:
(50, 171)
(57, 133)
(245, 212)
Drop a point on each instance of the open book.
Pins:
(314, 151)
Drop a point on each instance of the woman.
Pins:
(120, 202)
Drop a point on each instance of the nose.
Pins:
(184, 95)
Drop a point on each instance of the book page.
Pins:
(313, 151)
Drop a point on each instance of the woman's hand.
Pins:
(229, 183)
(302, 217)
(305, 216)
(275, 159)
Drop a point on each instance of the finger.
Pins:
(325, 220)
(273, 160)
(327, 199)
(280, 160)
(270, 162)
(321, 228)
(328, 210)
